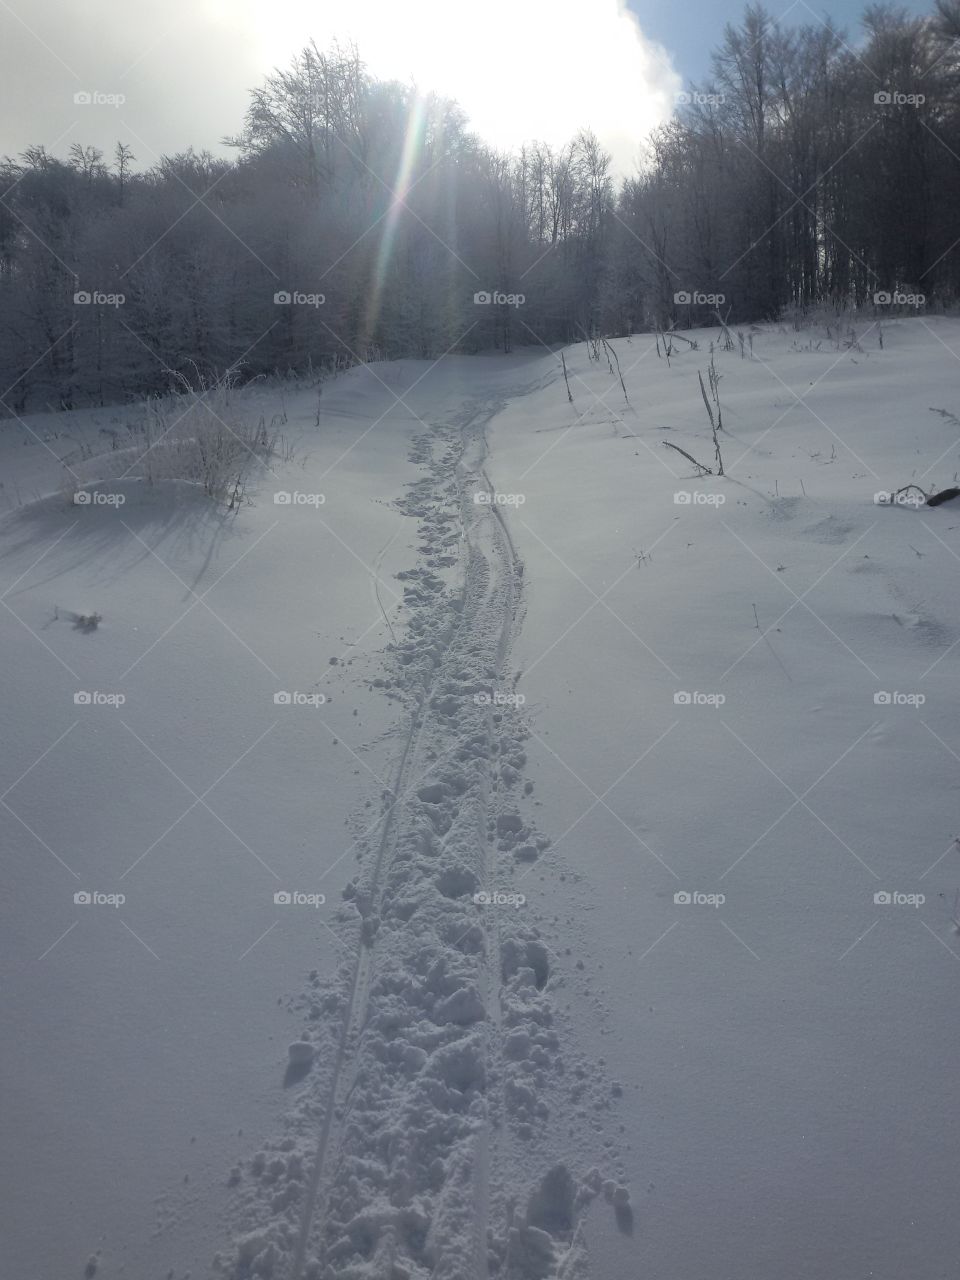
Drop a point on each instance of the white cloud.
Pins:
(521, 69)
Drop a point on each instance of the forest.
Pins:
(353, 219)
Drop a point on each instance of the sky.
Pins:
(163, 77)
(692, 28)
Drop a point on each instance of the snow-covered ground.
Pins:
(543, 680)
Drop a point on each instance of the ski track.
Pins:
(438, 1048)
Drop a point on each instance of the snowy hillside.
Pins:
(495, 849)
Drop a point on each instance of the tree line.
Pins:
(359, 219)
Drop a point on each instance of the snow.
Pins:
(575, 804)
(786, 1109)
(136, 1032)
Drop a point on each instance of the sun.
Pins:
(523, 70)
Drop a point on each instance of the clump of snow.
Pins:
(300, 1053)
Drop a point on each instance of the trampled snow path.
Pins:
(436, 1066)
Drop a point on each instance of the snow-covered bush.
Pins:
(202, 435)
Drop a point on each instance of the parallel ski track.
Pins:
(343, 1076)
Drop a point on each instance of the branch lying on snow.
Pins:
(926, 499)
(694, 346)
(704, 471)
(944, 495)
